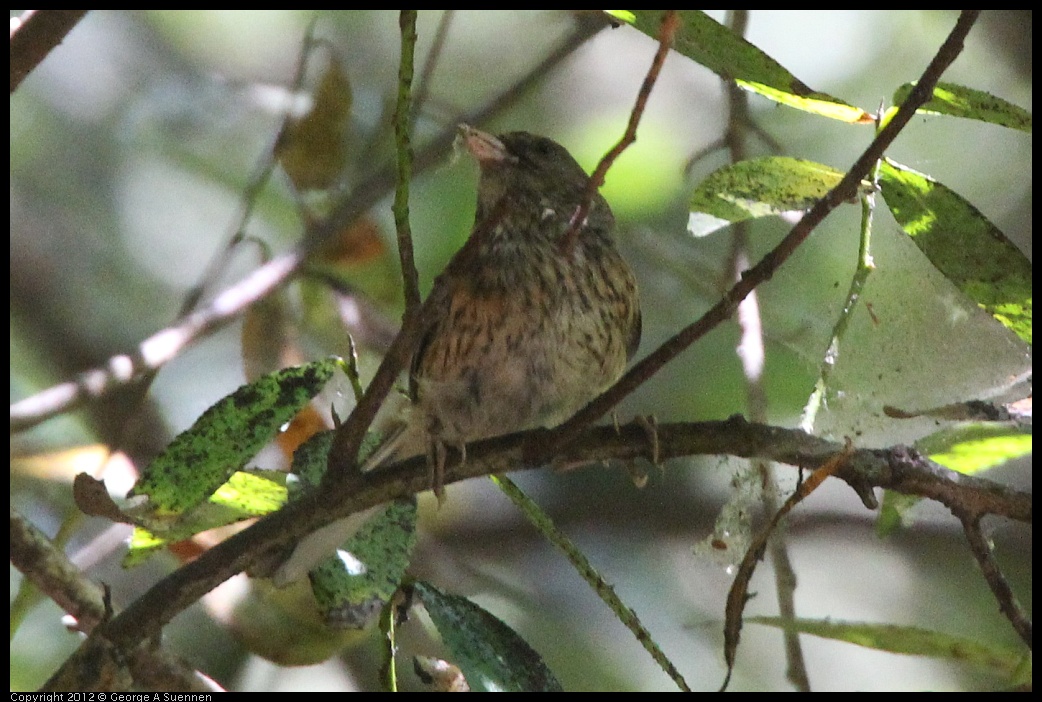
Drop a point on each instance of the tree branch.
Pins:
(34, 34)
(402, 134)
(982, 552)
(846, 190)
(897, 469)
(47, 568)
(670, 22)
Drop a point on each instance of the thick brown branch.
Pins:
(896, 469)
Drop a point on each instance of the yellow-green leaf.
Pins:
(960, 241)
(247, 494)
(704, 40)
(960, 101)
(967, 447)
(227, 435)
(907, 640)
(974, 447)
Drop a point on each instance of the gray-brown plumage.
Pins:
(527, 323)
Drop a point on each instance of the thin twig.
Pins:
(752, 354)
(857, 283)
(982, 552)
(670, 22)
(423, 85)
(402, 122)
(738, 595)
(158, 349)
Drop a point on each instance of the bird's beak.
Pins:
(484, 147)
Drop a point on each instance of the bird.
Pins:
(532, 318)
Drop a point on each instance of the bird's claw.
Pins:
(650, 426)
(437, 455)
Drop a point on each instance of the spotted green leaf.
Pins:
(227, 435)
(961, 243)
(491, 655)
(759, 187)
(354, 581)
(353, 586)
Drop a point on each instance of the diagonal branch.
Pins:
(34, 34)
(1000, 587)
(50, 570)
(670, 22)
(846, 190)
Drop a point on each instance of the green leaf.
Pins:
(309, 463)
(960, 101)
(622, 15)
(894, 512)
(201, 459)
(143, 544)
(962, 244)
(974, 447)
(355, 581)
(353, 586)
(704, 40)
(773, 185)
(247, 494)
(907, 640)
(252, 493)
(491, 655)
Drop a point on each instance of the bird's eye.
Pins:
(538, 153)
(544, 148)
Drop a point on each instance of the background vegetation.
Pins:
(132, 146)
